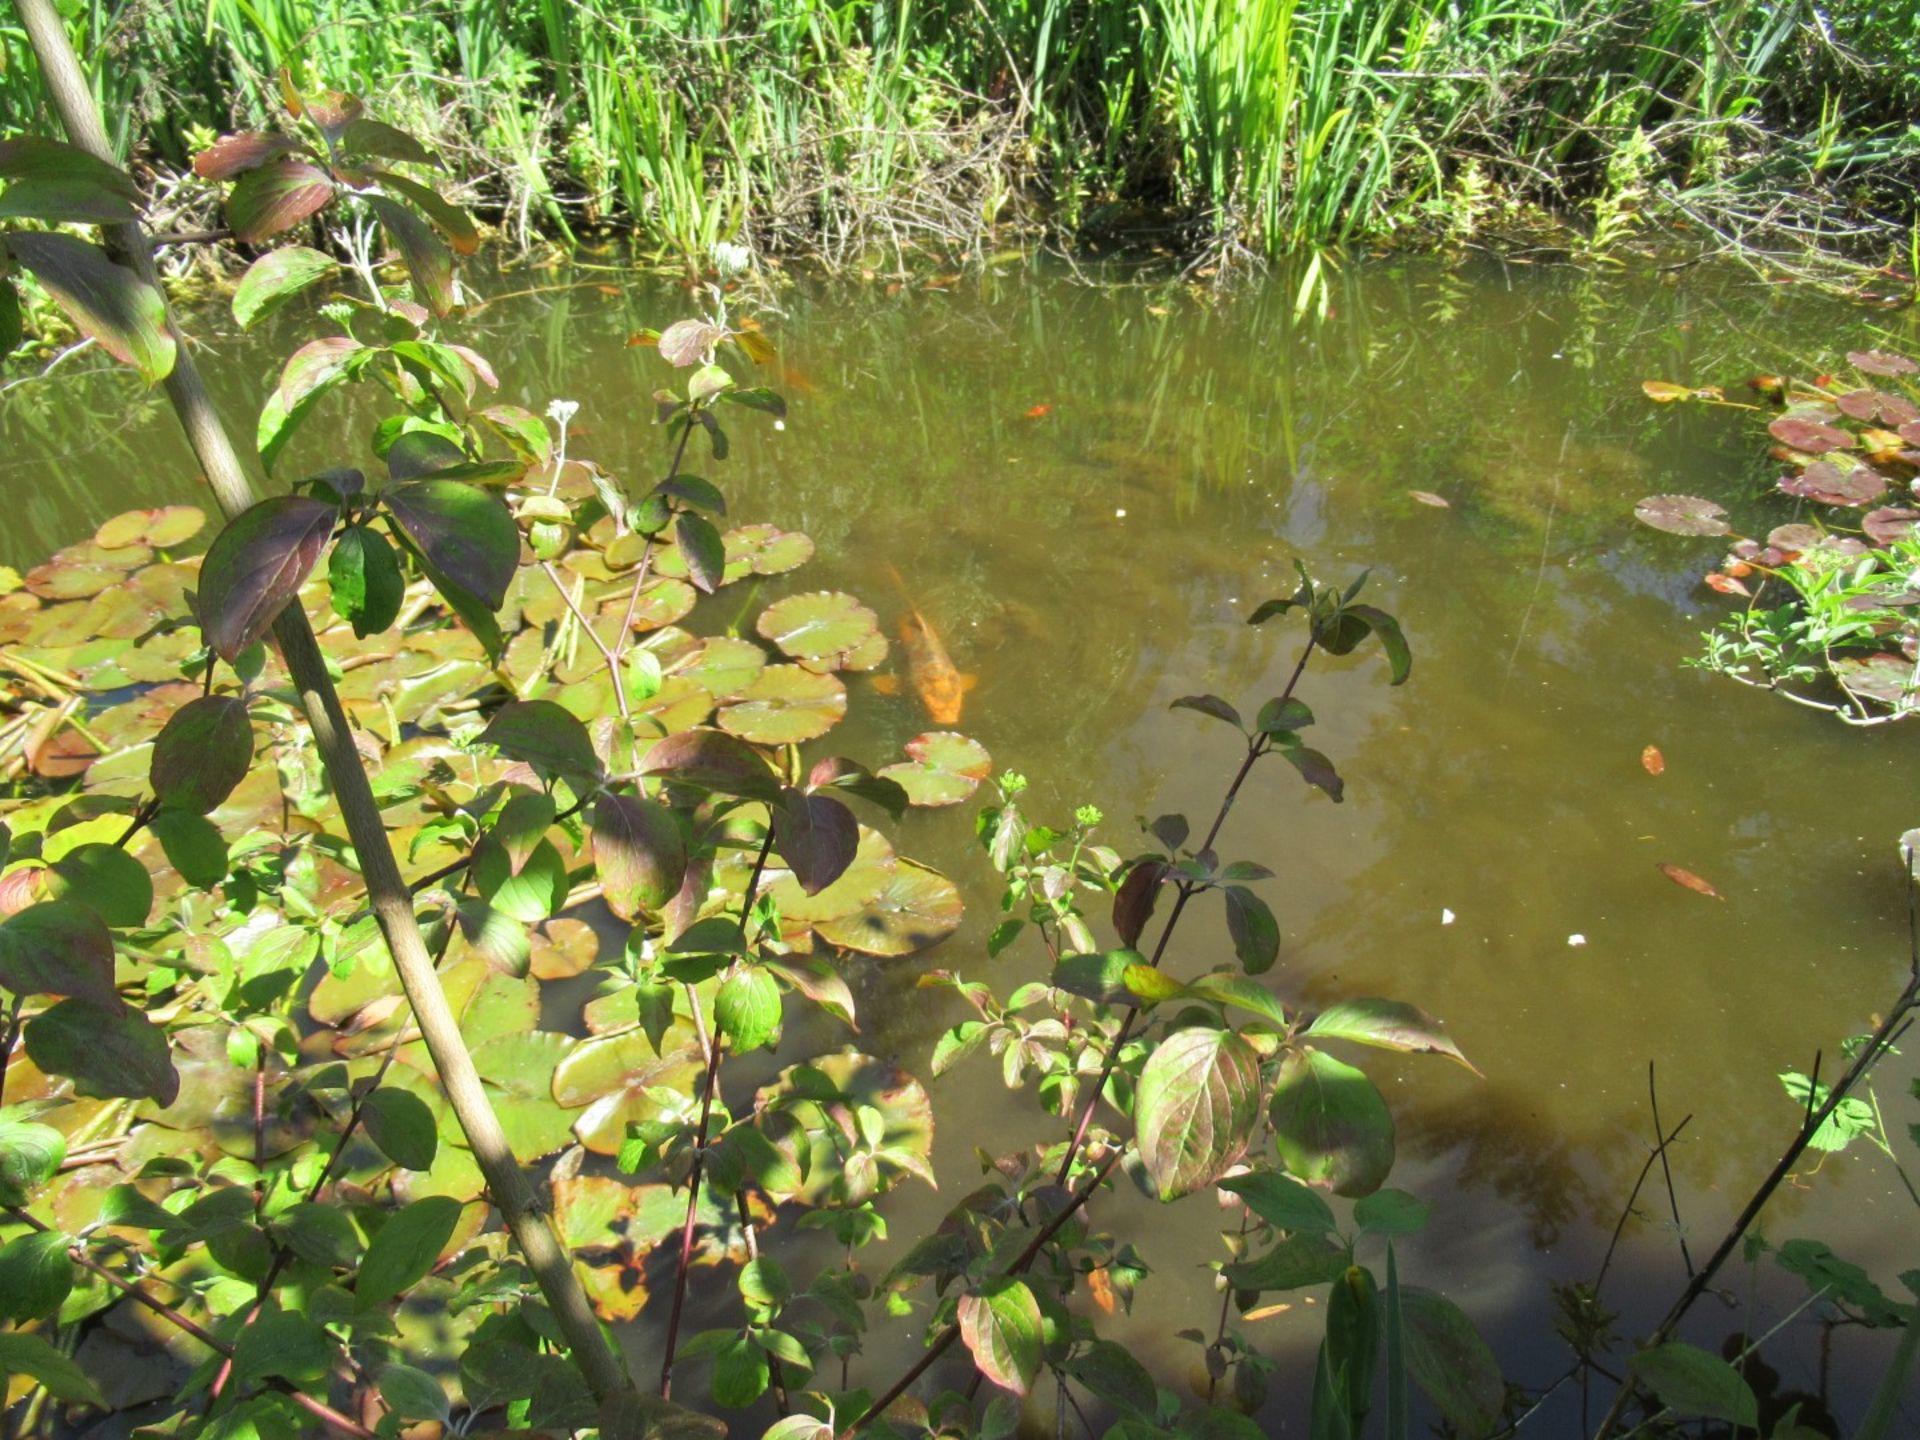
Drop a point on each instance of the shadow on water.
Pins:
(1088, 490)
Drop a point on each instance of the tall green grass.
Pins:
(856, 128)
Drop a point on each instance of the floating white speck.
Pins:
(1120, 514)
(1446, 917)
(779, 424)
(1576, 939)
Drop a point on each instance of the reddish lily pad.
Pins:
(919, 908)
(785, 706)
(1810, 437)
(1881, 362)
(1682, 515)
(1888, 524)
(1885, 679)
(1827, 483)
(942, 768)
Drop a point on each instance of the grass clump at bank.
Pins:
(855, 131)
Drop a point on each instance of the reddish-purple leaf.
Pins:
(1133, 902)
(465, 533)
(1004, 1332)
(713, 760)
(546, 736)
(275, 197)
(1881, 362)
(817, 837)
(1316, 769)
(363, 136)
(429, 261)
(1888, 524)
(688, 342)
(640, 852)
(1810, 437)
(109, 1050)
(233, 155)
(202, 753)
(1826, 482)
(314, 366)
(256, 565)
(1197, 1107)
(702, 549)
(57, 948)
(449, 219)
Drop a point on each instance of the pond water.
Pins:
(1087, 490)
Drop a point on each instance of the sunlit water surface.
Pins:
(1087, 491)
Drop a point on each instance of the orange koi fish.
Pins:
(940, 685)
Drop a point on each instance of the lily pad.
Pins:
(1881, 362)
(518, 1071)
(1810, 437)
(1885, 679)
(1682, 515)
(767, 549)
(1827, 483)
(611, 1228)
(1888, 524)
(725, 667)
(162, 528)
(859, 884)
(785, 706)
(942, 768)
(661, 603)
(563, 949)
(608, 1079)
(818, 625)
(919, 908)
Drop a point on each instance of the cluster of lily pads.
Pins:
(1848, 558)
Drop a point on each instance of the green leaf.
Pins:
(11, 323)
(817, 836)
(1850, 1119)
(429, 261)
(65, 200)
(193, 846)
(1225, 989)
(462, 531)
(1001, 1327)
(405, 1249)
(1283, 716)
(640, 853)
(105, 879)
(399, 1122)
(547, 737)
(702, 549)
(36, 1275)
(1256, 934)
(1211, 705)
(1353, 1341)
(1101, 978)
(58, 948)
(740, 1373)
(256, 565)
(276, 278)
(1396, 1342)
(1392, 1212)
(1112, 1374)
(1330, 1125)
(1387, 630)
(1386, 1025)
(30, 1156)
(319, 1234)
(764, 1283)
(413, 1394)
(287, 1345)
(1197, 1106)
(1451, 1363)
(32, 157)
(1282, 1201)
(364, 576)
(1694, 1382)
(108, 1052)
(449, 219)
(274, 197)
(1316, 769)
(127, 316)
(747, 1008)
(29, 1355)
(202, 753)
(1301, 1260)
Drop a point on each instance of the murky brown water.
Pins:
(1092, 562)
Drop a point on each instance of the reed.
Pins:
(856, 129)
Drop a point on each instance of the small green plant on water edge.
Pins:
(230, 1102)
(1832, 619)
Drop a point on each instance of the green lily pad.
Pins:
(71, 582)
(786, 706)
(942, 768)
(818, 625)
(611, 1075)
(725, 667)
(919, 908)
(768, 549)
(517, 1071)
(681, 704)
(563, 949)
(162, 529)
(662, 603)
(870, 654)
(859, 884)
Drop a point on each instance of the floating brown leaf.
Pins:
(1665, 392)
(1689, 880)
(1427, 497)
(1652, 761)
